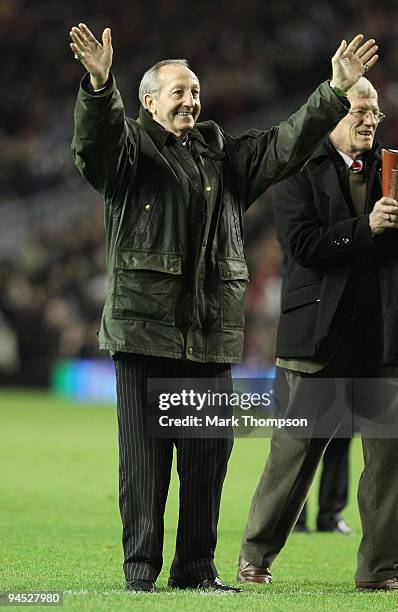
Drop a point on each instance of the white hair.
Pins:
(150, 81)
(362, 89)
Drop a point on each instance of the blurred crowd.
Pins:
(51, 299)
(248, 55)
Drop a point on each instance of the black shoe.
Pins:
(141, 586)
(299, 528)
(178, 583)
(209, 584)
(340, 526)
(215, 584)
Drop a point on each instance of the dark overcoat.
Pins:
(176, 266)
(326, 245)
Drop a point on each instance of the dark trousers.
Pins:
(144, 475)
(293, 461)
(333, 485)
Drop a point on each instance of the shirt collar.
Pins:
(348, 160)
(326, 150)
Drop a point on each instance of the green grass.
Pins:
(60, 527)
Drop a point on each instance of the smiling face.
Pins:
(176, 105)
(355, 133)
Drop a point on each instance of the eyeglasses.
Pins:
(361, 113)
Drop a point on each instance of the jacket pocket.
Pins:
(146, 204)
(234, 276)
(301, 296)
(147, 286)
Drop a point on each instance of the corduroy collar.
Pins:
(160, 135)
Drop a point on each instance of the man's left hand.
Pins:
(384, 216)
(350, 62)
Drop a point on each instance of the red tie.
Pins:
(357, 165)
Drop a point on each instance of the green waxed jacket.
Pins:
(177, 273)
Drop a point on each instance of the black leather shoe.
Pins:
(210, 584)
(215, 584)
(339, 527)
(178, 583)
(141, 586)
(299, 528)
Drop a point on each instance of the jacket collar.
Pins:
(161, 136)
(157, 132)
(324, 174)
(326, 151)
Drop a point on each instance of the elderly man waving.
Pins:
(175, 192)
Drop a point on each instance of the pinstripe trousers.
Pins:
(145, 469)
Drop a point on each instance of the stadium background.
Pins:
(257, 61)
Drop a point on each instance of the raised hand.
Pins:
(96, 58)
(350, 62)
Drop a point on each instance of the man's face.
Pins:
(177, 104)
(355, 133)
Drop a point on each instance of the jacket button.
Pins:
(208, 188)
(148, 207)
(190, 350)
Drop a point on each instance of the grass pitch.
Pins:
(60, 527)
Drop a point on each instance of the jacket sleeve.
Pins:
(387, 244)
(102, 145)
(262, 158)
(307, 237)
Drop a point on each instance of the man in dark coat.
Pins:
(175, 192)
(338, 327)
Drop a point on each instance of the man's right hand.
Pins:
(96, 58)
(384, 216)
(352, 61)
